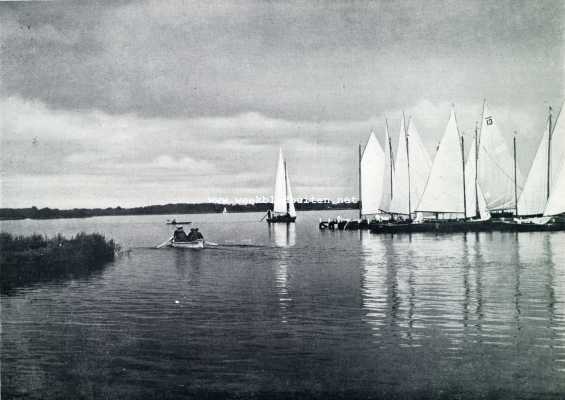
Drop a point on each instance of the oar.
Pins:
(210, 243)
(263, 217)
(165, 243)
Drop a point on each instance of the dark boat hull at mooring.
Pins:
(472, 226)
(285, 219)
(347, 225)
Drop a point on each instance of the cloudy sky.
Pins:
(161, 102)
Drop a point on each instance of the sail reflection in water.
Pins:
(283, 236)
(374, 281)
(475, 302)
(389, 290)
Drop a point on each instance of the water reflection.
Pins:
(557, 300)
(478, 265)
(187, 264)
(283, 236)
(517, 271)
(378, 278)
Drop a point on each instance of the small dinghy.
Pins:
(175, 222)
(195, 244)
(194, 240)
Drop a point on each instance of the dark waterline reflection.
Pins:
(304, 314)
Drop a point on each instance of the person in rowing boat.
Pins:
(180, 235)
(194, 235)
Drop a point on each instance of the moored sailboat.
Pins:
(497, 175)
(376, 169)
(439, 197)
(452, 200)
(411, 171)
(283, 202)
(542, 203)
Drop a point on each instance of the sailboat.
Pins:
(496, 167)
(371, 184)
(446, 196)
(542, 202)
(543, 171)
(283, 202)
(375, 186)
(411, 170)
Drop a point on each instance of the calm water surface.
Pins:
(279, 311)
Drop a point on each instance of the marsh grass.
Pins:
(29, 259)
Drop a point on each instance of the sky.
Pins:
(144, 103)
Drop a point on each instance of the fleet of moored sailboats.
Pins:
(482, 189)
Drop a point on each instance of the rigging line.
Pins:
(498, 166)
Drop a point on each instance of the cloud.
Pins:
(101, 158)
(296, 61)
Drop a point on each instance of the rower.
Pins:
(194, 235)
(180, 235)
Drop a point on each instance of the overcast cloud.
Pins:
(157, 102)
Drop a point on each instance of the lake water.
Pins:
(291, 312)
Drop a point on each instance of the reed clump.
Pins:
(33, 258)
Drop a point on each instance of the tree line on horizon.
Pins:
(179, 208)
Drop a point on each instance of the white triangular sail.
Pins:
(372, 174)
(399, 202)
(556, 202)
(496, 166)
(557, 147)
(279, 198)
(533, 198)
(444, 190)
(388, 173)
(418, 171)
(289, 198)
(476, 204)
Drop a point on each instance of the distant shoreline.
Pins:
(10, 214)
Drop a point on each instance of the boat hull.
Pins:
(285, 219)
(196, 244)
(471, 226)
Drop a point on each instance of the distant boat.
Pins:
(283, 202)
(225, 211)
(175, 222)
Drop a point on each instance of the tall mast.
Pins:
(464, 189)
(360, 202)
(408, 165)
(286, 188)
(515, 180)
(549, 155)
(390, 157)
(476, 170)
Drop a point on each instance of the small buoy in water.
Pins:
(177, 302)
